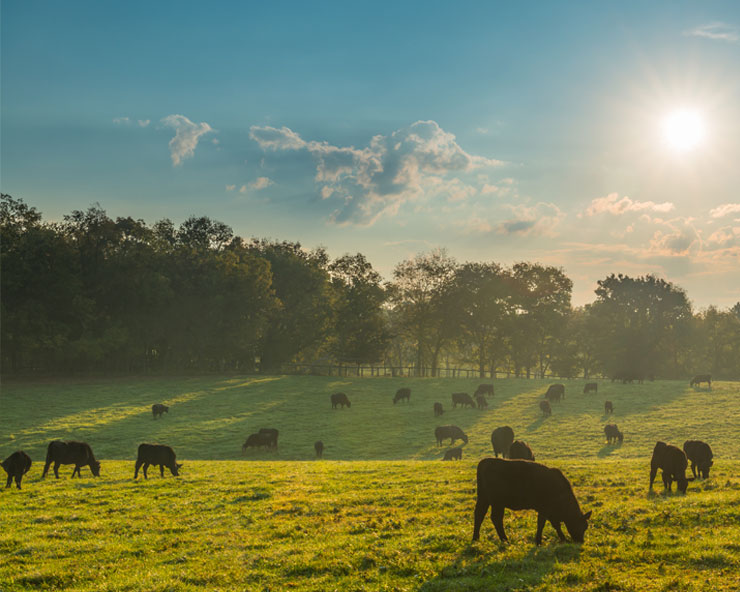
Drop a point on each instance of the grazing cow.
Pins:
(546, 409)
(699, 378)
(340, 399)
(555, 392)
(402, 393)
(612, 433)
(501, 439)
(700, 455)
(438, 410)
(156, 454)
(526, 485)
(272, 434)
(484, 389)
(16, 465)
(318, 446)
(482, 403)
(628, 376)
(519, 449)
(452, 432)
(256, 441)
(590, 387)
(158, 409)
(672, 461)
(78, 454)
(608, 407)
(453, 454)
(462, 399)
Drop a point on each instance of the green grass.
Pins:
(381, 513)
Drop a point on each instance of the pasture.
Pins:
(381, 512)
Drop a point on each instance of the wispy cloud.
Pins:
(540, 219)
(716, 31)
(613, 204)
(121, 120)
(724, 210)
(260, 183)
(186, 138)
(143, 122)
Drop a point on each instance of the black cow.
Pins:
(78, 454)
(608, 407)
(438, 410)
(16, 465)
(462, 399)
(628, 376)
(452, 432)
(590, 387)
(481, 401)
(156, 454)
(340, 399)
(257, 440)
(158, 409)
(272, 434)
(453, 454)
(546, 409)
(699, 378)
(555, 392)
(700, 455)
(401, 394)
(319, 448)
(519, 449)
(526, 485)
(501, 439)
(612, 433)
(672, 461)
(484, 389)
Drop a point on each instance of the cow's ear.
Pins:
(587, 515)
(179, 465)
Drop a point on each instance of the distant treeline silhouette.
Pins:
(93, 294)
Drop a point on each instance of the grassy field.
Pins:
(380, 513)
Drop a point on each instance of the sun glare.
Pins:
(683, 130)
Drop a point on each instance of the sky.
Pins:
(506, 132)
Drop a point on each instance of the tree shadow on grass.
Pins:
(536, 424)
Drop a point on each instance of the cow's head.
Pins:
(464, 438)
(577, 526)
(176, 471)
(348, 403)
(620, 437)
(682, 483)
(95, 468)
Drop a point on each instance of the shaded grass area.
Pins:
(380, 525)
(210, 417)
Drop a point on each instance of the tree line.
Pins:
(94, 294)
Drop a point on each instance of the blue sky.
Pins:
(502, 131)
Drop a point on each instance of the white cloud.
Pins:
(260, 183)
(272, 138)
(725, 237)
(121, 120)
(540, 219)
(143, 122)
(717, 32)
(724, 210)
(612, 204)
(186, 138)
(243, 189)
(230, 187)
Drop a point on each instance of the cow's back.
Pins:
(521, 484)
(156, 454)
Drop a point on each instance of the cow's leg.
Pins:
(497, 517)
(46, 468)
(693, 468)
(56, 469)
(137, 467)
(10, 480)
(556, 526)
(653, 472)
(146, 466)
(481, 507)
(18, 480)
(161, 470)
(541, 519)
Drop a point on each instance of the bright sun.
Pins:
(683, 130)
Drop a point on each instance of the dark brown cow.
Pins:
(672, 461)
(257, 440)
(501, 439)
(16, 465)
(481, 401)
(319, 448)
(520, 450)
(612, 433)
(555, 392)
(78, 454)
(462, 399)
(484, 389)
(527, 485)
(158, 409)
(340, 399)
(546, 409)
(272, 434)
(438, 410)
(590, 387)
(608, 407)
(453, 454)
(452, 432)
(699, 378)
(156, 454)
(401, 394)
(700, 455)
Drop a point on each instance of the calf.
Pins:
(501, 439)
(672, 461)
(546, 409)
(590, 387)
(340, 399)
(608, 407)
(612, 433)
(462, 399)
(319, 448)
(438, 410)
(699, 378)
(526, 485)
(452, 432)
(256, 441)
(272, 436)
(520, 450)
(158, 409)
(16, 465)
(156, 454)
(453, 454)
(555, 392)
(401, 394)
(482, 403)
(484, 389)
(700, 455)
(78, 454)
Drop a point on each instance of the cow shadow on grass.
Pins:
(608, 449)
(535, 425)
